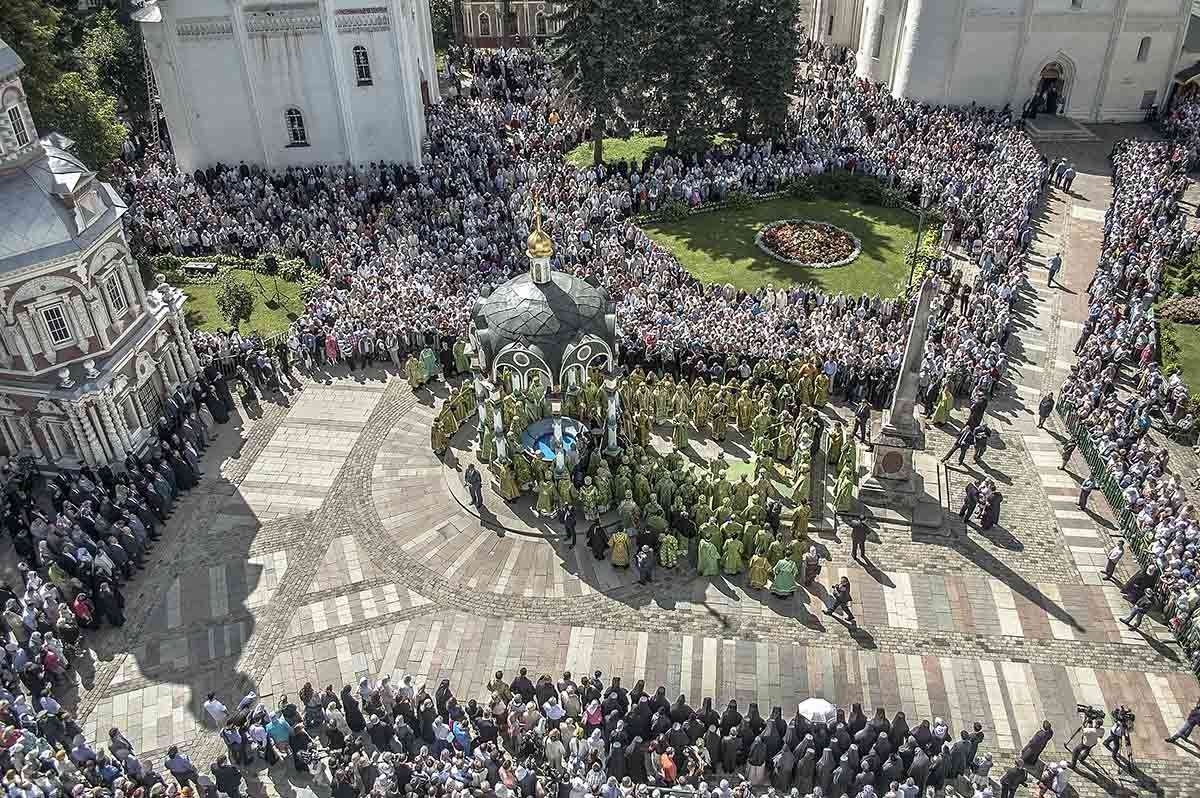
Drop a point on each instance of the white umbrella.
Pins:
(817, 710)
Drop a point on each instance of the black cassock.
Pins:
(1032, 751)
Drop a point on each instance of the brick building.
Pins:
(88, 355)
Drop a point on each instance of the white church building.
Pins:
(292, 83)
(1097, 60)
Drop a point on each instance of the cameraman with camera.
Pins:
(1092, 729)
(1123, 718)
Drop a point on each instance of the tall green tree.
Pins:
(757, 60)
(111, 58)
(594, 49)
(60, 97)
(679, 82)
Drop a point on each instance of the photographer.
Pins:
(1119, 731)
(1087, 741)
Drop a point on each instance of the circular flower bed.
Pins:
(804, 242)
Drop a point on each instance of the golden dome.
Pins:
(538, 245)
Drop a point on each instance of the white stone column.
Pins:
(143, 419)
(131, 296)
(109, 425)
(133, 276)
(167, 367)
(184, 352)
(23, 421)
(99, 438)
(118, 419)
(51, 443)
(9, 442)
(82, 441)
(72, 439)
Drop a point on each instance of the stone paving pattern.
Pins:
(327, 546)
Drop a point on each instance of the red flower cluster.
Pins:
(808, 242)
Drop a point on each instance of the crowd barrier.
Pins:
(1138, 540)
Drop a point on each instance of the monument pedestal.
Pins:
(895, 491)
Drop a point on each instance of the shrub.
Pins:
(739, 200)
(870, 191)
(673, 210)
(1184, 309)
(802, 189)
(235, 300)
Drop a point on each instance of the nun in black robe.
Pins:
(824, 775)
(857, 719)
(616, 764)
(783, 770)
(731, 745)
(712, 742)
(805, 769)
(899, 731)
(731, 719)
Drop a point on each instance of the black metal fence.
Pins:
(1137, 539)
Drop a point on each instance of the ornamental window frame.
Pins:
(362, 66)
(297, 131)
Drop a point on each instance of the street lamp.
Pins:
(926, 201)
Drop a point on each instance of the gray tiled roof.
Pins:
(547, 318)
(10, 62)
(35, 224)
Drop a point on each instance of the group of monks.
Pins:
(665, 501)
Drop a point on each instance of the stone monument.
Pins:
(895, 487)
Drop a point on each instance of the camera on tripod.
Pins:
(1124, 715)
(1089, 712)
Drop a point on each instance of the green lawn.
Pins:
(1188, 337)
(633, 148)
(267, 318)
(719, 247)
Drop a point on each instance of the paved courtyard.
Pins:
(327, 544)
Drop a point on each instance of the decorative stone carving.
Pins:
(64, 378)
(204, 28)
(281, 22)
(144, 366)
(8, 403)
(357, 20)
(40, 287)
(48, 408)
(120, 383)
(89, 369)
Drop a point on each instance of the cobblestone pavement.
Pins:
(330, 546)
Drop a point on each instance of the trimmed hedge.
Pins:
(294, 270)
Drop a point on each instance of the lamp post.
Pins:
(926, 201)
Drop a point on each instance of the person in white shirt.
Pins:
(1087, 741)
(1114, 556)
(216, 710)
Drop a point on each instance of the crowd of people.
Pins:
(583, 739)
(79, 540)
(1144, 228)
(406, 250)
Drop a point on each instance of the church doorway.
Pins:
(1052, 88)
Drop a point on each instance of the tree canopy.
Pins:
(75, 69)
(686, 67)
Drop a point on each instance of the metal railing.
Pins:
(1138, 540)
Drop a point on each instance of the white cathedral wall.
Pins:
(373, 108)
(293, 71)
(983, 69)
(1130, 79)
(221, 125)
(1085, 49)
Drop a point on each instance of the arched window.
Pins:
(539, 24)
(485, 25)
(1076, 3)
(1143, 49)
(297, 136)
(362, 66)
(11, 103)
